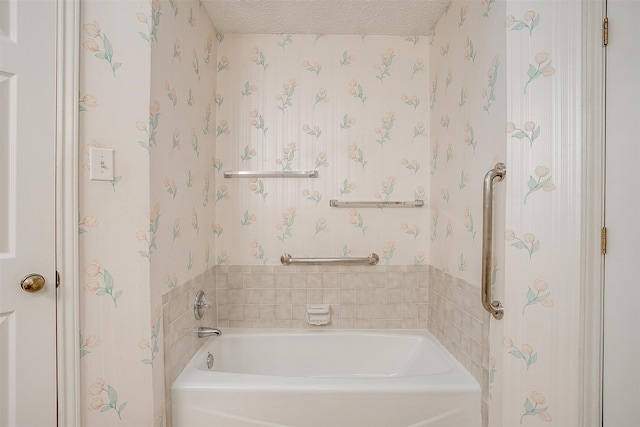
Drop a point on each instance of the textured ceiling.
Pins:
(375, 17)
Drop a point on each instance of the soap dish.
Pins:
(318, 314)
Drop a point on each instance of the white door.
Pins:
(621, 391)
(27, 222)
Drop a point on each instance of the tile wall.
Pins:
(378, 297)
(180, 324)
(458, 321)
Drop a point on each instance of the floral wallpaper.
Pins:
(467, 111)
(148, 77)
(535, 379)
(504, 86)
(181, 128)
(114, 307)
(354, 108)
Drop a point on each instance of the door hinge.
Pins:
(57, 279)
(605, 31)
(603, 236)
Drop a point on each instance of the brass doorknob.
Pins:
(32, 283)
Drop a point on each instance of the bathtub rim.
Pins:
(458, 379)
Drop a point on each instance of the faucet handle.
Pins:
(204, 304)
(199, 304)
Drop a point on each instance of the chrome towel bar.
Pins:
(271, 174)
(372, 259)
(412, 204)
(497, 173)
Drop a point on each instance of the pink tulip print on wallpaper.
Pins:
(381, 118)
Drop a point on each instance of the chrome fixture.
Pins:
(205, 331)
(199, 304)
(372, 259)
(412, 204)
(271, 174)
(497, 173)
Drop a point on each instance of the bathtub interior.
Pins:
(356, 354)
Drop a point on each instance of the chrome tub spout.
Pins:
(204, 331)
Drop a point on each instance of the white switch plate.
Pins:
(101, 164)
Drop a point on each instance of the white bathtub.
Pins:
(327, 378)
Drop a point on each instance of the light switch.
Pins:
(101, 164)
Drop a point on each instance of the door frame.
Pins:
(593, 179)
(66, 211)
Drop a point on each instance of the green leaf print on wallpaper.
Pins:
(538, 295)
(152, 24)
(86, 344)
(285, 228)
(492, 77)
(321, 227)
(106, 52)
(356, 220)
(98, 403)
(532, 408)
(286, 40)
(314, 67)
(357, 155)
(530, 21)
(543, 68)
(257, 251)
(530, 131)
(528, 243)
(541, 183)
(385, 130)
(487, 3)
(357, 91)
(152, 343)
(223, 64)
(526, 352)
(257, 57)
(418, 67)
(347, 58)
(288, 156)
(286, 96)
(150, 236)
(247, 219)
(94, 271)
(384, 67)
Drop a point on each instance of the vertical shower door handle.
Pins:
(497, 173)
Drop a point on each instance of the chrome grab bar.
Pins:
(372, 259)
(498, 172)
